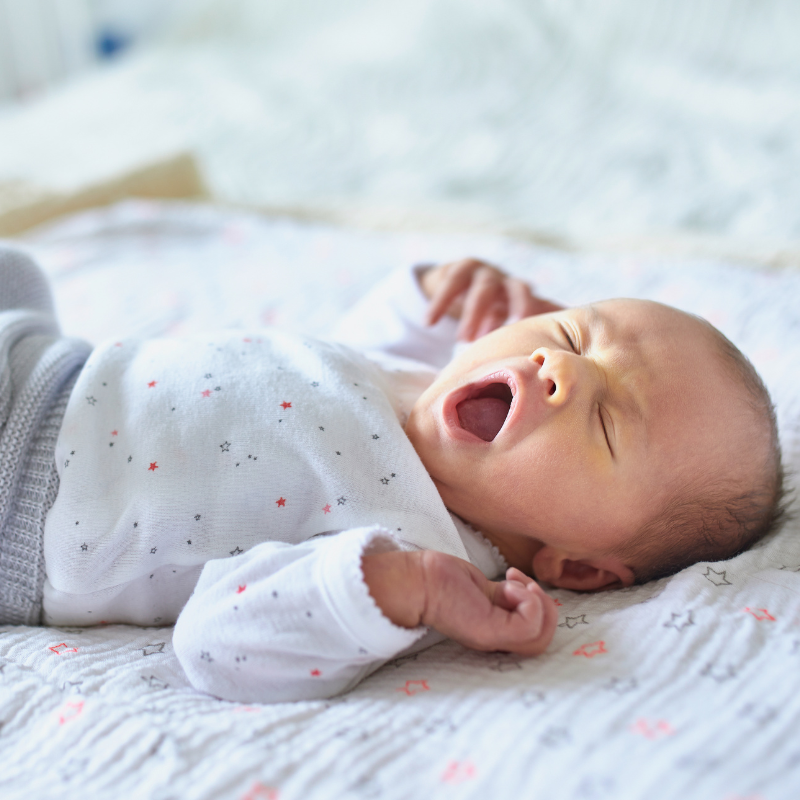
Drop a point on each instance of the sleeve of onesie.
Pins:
(390, 319)
(288, 622)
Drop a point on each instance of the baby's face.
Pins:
(561, 435)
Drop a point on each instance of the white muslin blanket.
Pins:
(682, 688)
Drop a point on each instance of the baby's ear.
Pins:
(583, 575)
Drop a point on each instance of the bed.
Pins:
(682, 688)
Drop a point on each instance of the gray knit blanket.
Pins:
(38, 367)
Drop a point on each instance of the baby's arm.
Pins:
(454, 597)
(288, 622)
(307, 621)
(414, 313)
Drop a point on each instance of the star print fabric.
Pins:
(143, 452)
(255, 616)
(179, 457)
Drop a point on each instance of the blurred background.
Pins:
(44, 42)
(566, 121)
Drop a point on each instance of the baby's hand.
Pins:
(454, 597)
(482, 296)
(514, 615)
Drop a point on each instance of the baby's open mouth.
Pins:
(484, 412)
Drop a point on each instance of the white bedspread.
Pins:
(683, 688)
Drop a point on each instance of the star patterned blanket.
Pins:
(685, 687)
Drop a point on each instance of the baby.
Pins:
(303, 512)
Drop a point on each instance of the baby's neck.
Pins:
(518, 551)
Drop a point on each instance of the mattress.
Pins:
(685, 687)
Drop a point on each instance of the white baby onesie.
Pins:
(220, 466)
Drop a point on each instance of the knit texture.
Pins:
(37, 370)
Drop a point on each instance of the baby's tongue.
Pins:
(483, 416)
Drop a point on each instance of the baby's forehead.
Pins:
(637, 321)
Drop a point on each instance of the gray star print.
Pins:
(680, 621)
(225, 447)
(236, 551)
(206, 656)
(571, 622)
(532, 697)
(91, 400)
(719, 674)
(84, 547)
(153, 549)
(622, 685)
(384, 481)
(152, 649)
(375, 436)
(155, 683)
(341, 500)
(717, 578)
(555, 737)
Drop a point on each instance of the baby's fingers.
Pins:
(455, 278)
(485, 306)
(521, 301)
(529, 628)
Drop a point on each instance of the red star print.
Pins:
(413, 687)
(247, 340)
(557, 602)
(241, 589)
(65, 650)
(652, 730)
(761, 614)
(260, 792)
(285, 405)
(281, 501)
(206, 393)
(152, 384)
(113, 433)
(153, 466)
(71, 710)
(458, 772)
(327, 508)
(591, 650)
(315, 673)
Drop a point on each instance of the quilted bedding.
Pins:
(682, 688)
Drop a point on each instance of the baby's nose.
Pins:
(557, 374)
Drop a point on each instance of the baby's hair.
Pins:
(717, 519)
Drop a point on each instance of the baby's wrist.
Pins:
(395, 582)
